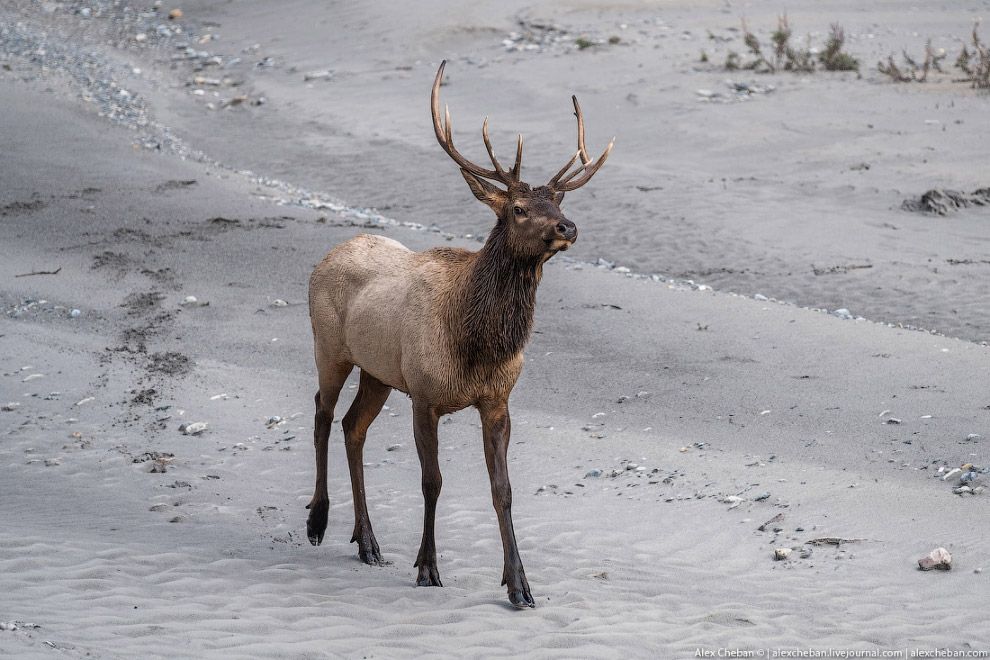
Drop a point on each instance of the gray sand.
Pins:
(124, 538)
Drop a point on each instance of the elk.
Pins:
(446, 326)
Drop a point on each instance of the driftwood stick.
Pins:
(40, 272)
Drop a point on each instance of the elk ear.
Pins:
(492, 196)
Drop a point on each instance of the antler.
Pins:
(442, 128)
(587, 167)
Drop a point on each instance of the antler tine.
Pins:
(445, 138)
(587, 168)
(503, 175)
(556, 179)
(589, 171)
(518, 166)
(580, 120)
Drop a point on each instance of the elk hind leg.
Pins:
(371, 396)
(331, 383)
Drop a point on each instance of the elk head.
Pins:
(530, 217)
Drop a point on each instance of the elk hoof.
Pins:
(521, 599)
(316, 524)
(372, 556)
(428, 577)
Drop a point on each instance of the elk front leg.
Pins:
(495, 428)
(425, 430)
(371, 396)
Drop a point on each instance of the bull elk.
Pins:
(447, 326)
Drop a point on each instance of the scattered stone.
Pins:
(831, 540)
(938, 559)
(733, 501)
(10, 407)
(762, 496)
(972, 437)
(950, 473)
(893, 420)
(396, 447)
(174, 14)
(325, 74)
(52, 462)
(194, 428)
(776, 519)
(593, 473)
(273, 421)
(781, 554)
(962, 490)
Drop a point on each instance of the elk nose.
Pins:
(567, 229)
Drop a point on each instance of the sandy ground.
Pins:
(123, 538)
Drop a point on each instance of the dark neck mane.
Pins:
(496, 303)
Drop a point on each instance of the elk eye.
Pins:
(518, 210)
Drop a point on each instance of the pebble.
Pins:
(781, 553)
(938, 559)
(593, 473)
(762, 496)
(193, 428)
(396, 447)
(75, 313)
(10, 407)
(973, 436)
(952, 472)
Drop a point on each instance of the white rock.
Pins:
(193, 428)
(781, 553)
(938, 559)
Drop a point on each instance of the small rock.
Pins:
(973, 436)
(175, 13)
(950, 473)
(52, 462)
(593, 473)
(10, 407)
(188, 300)
(962, 490)
(938, 559)
(893, 420)
(781, 554)
(194, 428)
(631, 466)
(762, 496)
(394, 447)
(75, 313)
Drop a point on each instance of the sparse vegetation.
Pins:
(913, 71)
(786, 57)
(833, 58)
(974, 64)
